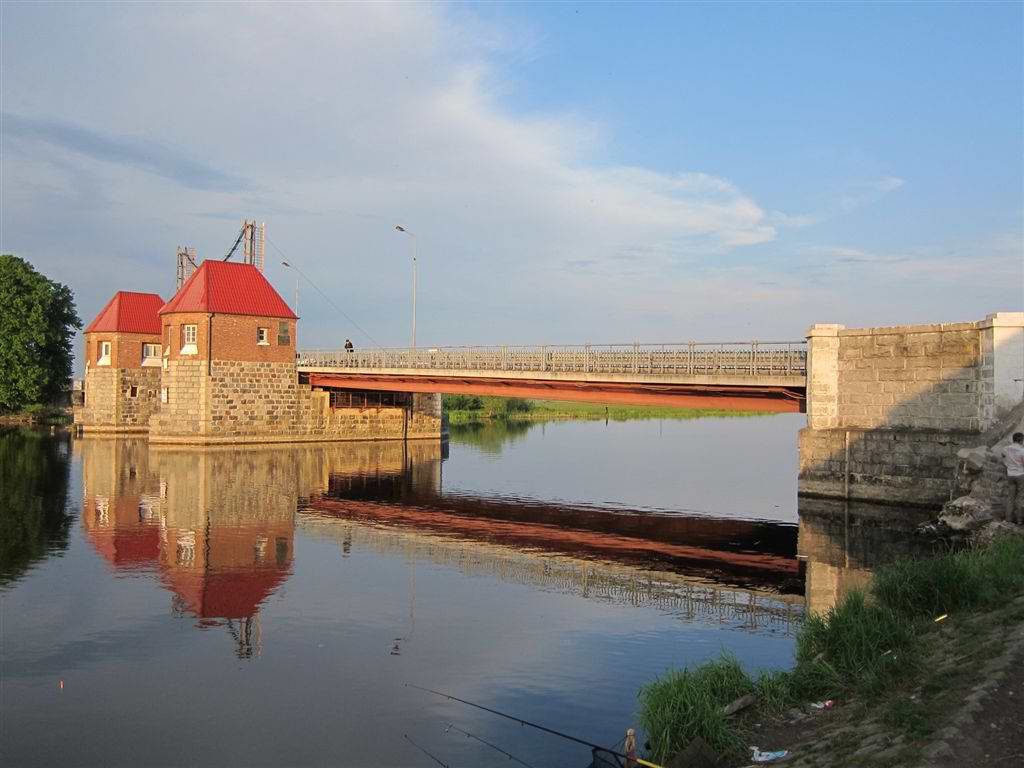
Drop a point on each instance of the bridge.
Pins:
(747, 376)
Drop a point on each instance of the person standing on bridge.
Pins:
(1013, 458)
(348, 345)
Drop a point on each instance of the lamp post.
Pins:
(415, 247)
(295, 305)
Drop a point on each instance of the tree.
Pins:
(37, 322)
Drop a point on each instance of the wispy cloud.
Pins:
(131, 151)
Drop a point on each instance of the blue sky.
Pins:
(574, 172)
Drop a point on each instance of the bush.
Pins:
(463, 403)
(517, 405)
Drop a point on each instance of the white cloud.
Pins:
(357, 116)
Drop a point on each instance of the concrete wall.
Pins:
(888, 408)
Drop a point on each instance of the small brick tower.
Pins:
(229, 359)
(122, 365)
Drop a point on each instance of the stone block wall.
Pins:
(110, 405)
(240, 402)
(183, 406)
(906, 466)
(907, 398)
(320, 421)
(248, 397)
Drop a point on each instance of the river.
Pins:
(272, 606)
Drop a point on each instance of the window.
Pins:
(283, 334)
(263, 336)
(104, 353)
(188, 339)
(354, 398)
(163, 394)
(133, 391)
(151, 354)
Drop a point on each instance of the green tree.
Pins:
(37, 322)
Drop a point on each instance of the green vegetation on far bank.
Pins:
(872, 647)
(464, 409)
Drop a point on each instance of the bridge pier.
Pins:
(888, 408)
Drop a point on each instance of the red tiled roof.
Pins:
(228, 288)
(129, 312)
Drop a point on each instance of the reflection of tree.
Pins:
(33, 499)
(491, 436)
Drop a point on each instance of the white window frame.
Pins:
(263, 337)
(189, 335)
(105, 347)
(152, 359)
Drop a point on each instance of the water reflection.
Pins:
(34, 518)
(842, 543)
(341, 572)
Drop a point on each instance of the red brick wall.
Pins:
(234, 337)
(125, 348)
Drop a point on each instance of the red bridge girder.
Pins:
(769, 399)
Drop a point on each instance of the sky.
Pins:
(572, 172)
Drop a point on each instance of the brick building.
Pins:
(228, 359)
(216, 364)
(122, 365)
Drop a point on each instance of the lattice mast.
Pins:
(187, 264)
(254, 237)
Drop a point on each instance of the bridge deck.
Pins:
(769, 376)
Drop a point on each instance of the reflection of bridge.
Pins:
(598, 580)
(765, 376)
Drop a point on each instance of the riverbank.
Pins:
(37, 416)
(899, 663)
(463, 409)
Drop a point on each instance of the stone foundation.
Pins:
(109, 405)
(262, 402)
(895, 466)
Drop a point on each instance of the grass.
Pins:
(871, 645)
(469, 408)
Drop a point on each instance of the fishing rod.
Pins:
(421, 749)
(509, 755)
(553, 732)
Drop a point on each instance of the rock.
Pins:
(965, 513)
(996, 528)
(974, 458)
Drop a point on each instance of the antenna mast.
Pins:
(186, 265)
(254, 237)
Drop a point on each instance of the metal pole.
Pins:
(415, 248)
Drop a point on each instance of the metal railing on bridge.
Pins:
(757, 358)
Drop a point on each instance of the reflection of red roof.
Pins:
(129, 312)
(227, 593)
(230, 288)
(127, 547)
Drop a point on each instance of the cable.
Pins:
(421, 749)
(509, 755)
(294, 266)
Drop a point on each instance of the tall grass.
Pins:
(968, 579)
(685, 704)
(867, 644)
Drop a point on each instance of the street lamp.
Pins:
(415, 247)
(295, 304)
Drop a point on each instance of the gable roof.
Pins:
(229, 288)
(129, 312)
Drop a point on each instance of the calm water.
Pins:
(267, 606)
